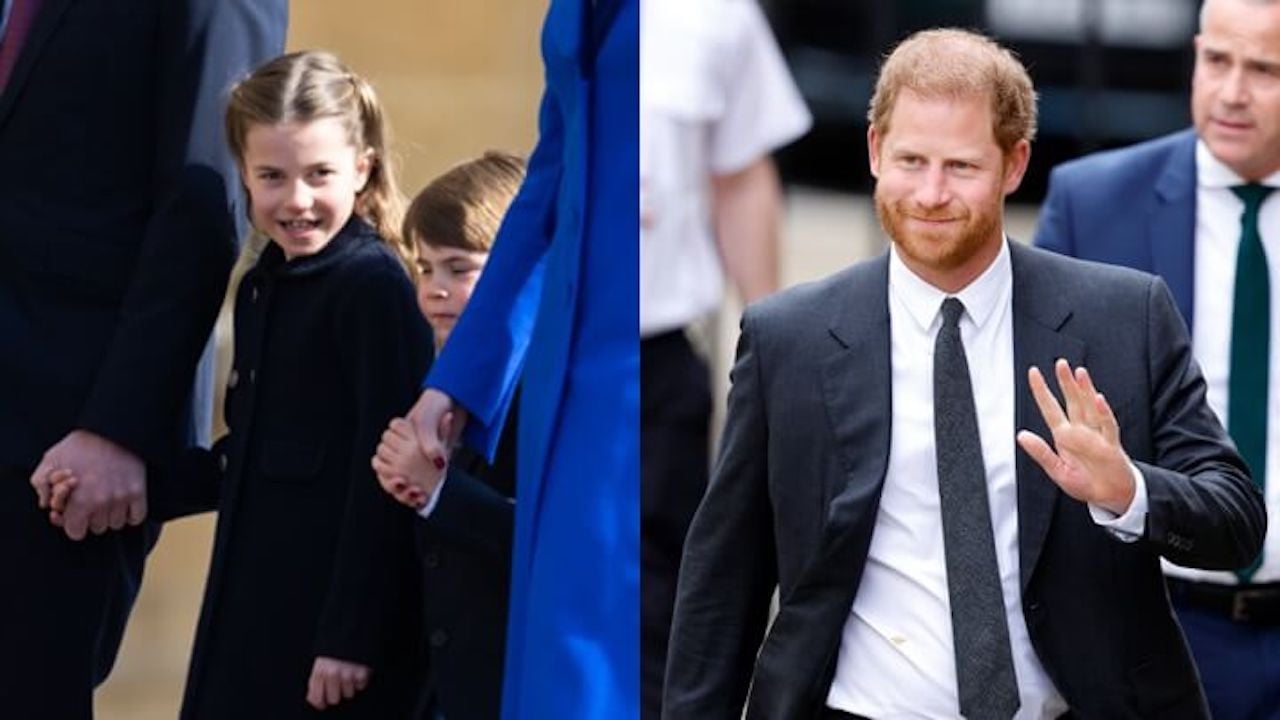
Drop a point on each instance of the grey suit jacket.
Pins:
(795, 491)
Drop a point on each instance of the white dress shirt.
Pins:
(715, 96)
(1217, 239)
(896, 656)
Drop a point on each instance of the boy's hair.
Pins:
(311, 85)
(463, 207)
(951, 63)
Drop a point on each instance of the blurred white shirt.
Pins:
(715, 96)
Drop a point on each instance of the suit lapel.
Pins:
(41, 30)
(1039, 314)
(1172, 226)
(856, 384)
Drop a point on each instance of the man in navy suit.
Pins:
(886, 463)
(118, 202)
(1179, 206)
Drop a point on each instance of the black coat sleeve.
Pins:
(145, 377)
(385, 350)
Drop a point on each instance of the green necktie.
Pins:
(1250, 346)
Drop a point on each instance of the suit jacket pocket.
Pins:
(292, 461)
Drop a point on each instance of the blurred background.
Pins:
(457, 78)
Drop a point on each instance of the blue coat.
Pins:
(1135, 207)
(559, 302)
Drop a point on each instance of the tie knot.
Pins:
(1252, 194)
(952, 309)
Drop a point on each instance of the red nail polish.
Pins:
(439, 462)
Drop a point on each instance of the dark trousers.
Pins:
(675, 420)
(1239, 662)
(63, 606)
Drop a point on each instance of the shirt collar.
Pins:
(1213, 173)
(924, 301)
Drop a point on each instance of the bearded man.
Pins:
(870, 466)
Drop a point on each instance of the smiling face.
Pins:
(446, 277)
(302, 180)
(1235, 90)
(941, 181)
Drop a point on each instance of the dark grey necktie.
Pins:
(984, 661)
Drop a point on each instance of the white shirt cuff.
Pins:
(425, 510)
(1130, 526)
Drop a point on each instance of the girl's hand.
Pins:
(61, 482)
(333, 681)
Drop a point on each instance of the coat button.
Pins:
(222, 462)
(253, 293)
(253, 375)
(439, 638)
(233, 379)
(431, 560)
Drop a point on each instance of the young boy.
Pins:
(464, 539)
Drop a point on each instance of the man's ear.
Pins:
(873, 150)
(1015, 165)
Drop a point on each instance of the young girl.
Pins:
(311, 602)
(464, 539)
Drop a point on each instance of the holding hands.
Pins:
(110, 484)
(414, 452)
(1089, 464)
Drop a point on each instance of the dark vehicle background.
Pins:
(1108, 72)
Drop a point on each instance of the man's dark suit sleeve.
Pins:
(1203, 509)
(145, 377)
(728, 573)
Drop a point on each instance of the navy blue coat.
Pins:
(464, 548)
(310, 557)
(117, 199)
(1135, 206)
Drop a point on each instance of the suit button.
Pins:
(222, 462)
(439, 638)
(233, 379)
(431, 560)
(253, 293)
(253, 375)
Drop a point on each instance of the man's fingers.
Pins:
(1039, 450)
(75, 521)
(1110, 426)
(117, 514)
(315, 690)
(1050, 410)
(40, 481)
(98, 521)
(332, 689)
(1086, 393)
(362, 678)
(1070, 389)
(136, 512)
